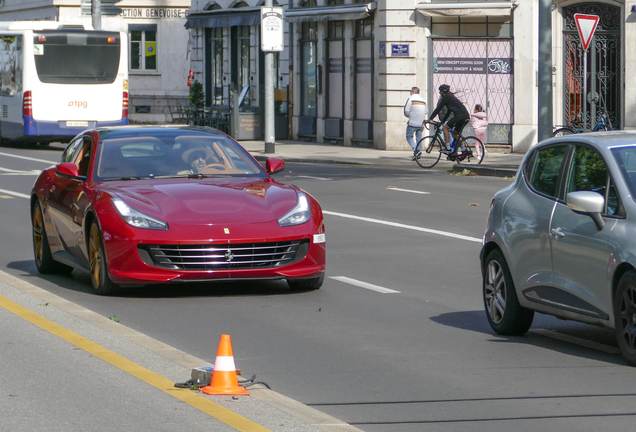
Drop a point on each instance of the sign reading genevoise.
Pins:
(156, 12)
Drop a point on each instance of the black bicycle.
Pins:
(468, 150)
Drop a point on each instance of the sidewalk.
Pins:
(66, 368)
(495, 164)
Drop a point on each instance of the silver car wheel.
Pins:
(495, 292)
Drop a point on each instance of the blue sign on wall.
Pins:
(399, 50)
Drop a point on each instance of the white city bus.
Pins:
(58, 79)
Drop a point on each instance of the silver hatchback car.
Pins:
(561, 239)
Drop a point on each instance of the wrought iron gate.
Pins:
(603, 67)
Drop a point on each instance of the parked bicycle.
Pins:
(468, 150)
(603, 124)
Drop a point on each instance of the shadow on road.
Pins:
(587, 335)
(80, 282)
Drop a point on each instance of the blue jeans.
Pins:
(410, 130)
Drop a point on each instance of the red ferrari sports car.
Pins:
(146, 205)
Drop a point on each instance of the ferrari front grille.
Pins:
(224, 256)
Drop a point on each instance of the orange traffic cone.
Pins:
(224, 380)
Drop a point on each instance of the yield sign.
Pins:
(586, 24)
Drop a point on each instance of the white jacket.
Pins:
(479, 120)
(416, 110)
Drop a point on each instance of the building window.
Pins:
(241, 60)
(214, 66)
(492, 27)
(335, 2)
(364, 70)
(335, 70)
(308, 69)
(143, 47)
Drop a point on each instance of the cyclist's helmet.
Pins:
(444, 88)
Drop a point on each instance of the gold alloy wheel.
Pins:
(38, 235)
(95, 255)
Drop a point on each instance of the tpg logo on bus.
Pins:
(78, 104)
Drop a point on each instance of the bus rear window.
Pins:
(77, 57)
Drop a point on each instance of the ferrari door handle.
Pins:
(556, 232)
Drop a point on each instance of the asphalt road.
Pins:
(396, 339)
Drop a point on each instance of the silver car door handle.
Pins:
(556, 232)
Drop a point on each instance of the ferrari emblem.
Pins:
(229, 256)
(226, 230)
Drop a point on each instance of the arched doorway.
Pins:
(603, 92)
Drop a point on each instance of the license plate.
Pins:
(76, 124)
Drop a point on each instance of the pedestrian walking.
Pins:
(479, 122)
(416, 110)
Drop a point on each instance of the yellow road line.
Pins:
(193, 399)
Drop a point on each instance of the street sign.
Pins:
(586, 25)
(272, 29)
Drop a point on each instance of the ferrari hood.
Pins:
(205, 202)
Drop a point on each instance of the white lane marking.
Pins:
(408, 190)
(27, 158)
(399, 225)
(577, 341)
(18, 194)
(315, 178)
(364, 285)
(20, 172)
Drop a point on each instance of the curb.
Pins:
(480, 170)
(262, 158)
(309, 415)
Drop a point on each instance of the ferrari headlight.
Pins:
(136, 218)
(298, 215)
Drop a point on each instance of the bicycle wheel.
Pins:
(562, 132)
(430, 150)
(473, 151)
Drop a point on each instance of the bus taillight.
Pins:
(124, 112)
(27, 104)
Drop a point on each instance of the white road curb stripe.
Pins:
(399, 225)
(364, 285)
(410, 191)
(28, 158)
(315, 178)
(21, 195)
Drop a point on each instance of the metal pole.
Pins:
(545, 69)
(584, 95)
(270, 80)
(96, 13)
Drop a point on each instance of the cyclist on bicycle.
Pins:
(449, 100)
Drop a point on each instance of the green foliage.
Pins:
(197, 97)
(114, 318)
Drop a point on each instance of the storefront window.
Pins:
(335, 70)
(492, 27)
(214, 66)
(143, 47)
(364, 70)
(241, 59)
(308, 72)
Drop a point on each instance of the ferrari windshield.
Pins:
(163, 153)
